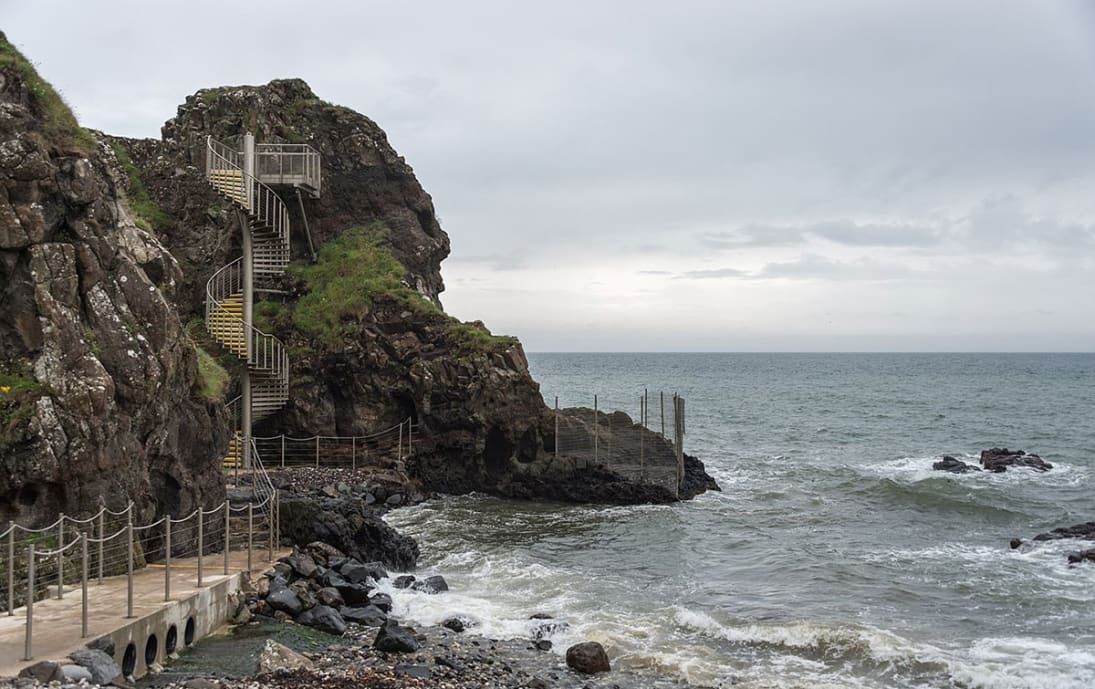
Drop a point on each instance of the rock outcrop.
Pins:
(954, 466)
(998, 460)
(98, 380)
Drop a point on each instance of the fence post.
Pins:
(661, 396)
(317, 451)
(596, 428)
(227, 532)
(102, 539)
(61, 558)
(28, 653)
(282, 450)
(167, 559)
(11, 568)
(399, 452)
(201, 541)
(556, 427)
(410, 437)
(129, 564)
(83, 585)
(353, 452)
(274, 517)
(642, 448)
(250, 527)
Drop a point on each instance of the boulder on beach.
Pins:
(997, 460)
(370, 615)
(323, 618)
(393, 638)
(954, 466)
(102, 667)
(275, 657)
(588, 657)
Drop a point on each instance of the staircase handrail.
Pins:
(310, 159)
(268, 207)
(271, 346)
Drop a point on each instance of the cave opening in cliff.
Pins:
(496, 450)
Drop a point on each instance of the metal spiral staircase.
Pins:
(244, 178)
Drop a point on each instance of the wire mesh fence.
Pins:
(378, 449)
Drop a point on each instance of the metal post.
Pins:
(353, 452)
(250, 530)
(28, 653)
(661, 395)
(642, 449)
(11, 568)
(129, 565)
(596, 438)
(399, 452)
(201, 542)
(61, 558)
(556, 427)
(410, 437)
(83, 585)
(227, 532)
(102, 539)
(167, 559)
(282, 450)
(317, 451)
(274, 518)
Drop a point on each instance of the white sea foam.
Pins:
(915, 469)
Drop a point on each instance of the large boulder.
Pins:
(954, 466)
(369, 615)
(276, 657)
(348, 525)
(434, 584)
(588, 657)
(323, 618)
(393, 638)
(102, 667)
(285, 600)
(998, 460)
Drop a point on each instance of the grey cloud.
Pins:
(711, 274)
(653, 272)
(815, 267)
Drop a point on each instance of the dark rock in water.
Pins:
(358, 573)
(434, 584)
(998, 460)
(370, 615)
(954, 466)
(588, 657)
(696, 479)
(1085, 531)
(323, 618)
(382, 601)
(540, 616)
(403, 581)
(454, 623)
(1015, 543)
(285, 600)
(349, 526)
(331, 597)
(1082, 555)
(395, 639)
(543, 645)
(418, 671)
(543, 627)
(102, 667)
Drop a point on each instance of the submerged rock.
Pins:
(997, 460)
(954, 466)
(434, 584)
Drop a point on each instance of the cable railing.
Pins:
(394, 443)
(259, 349)
(47, 561)
(296, 164)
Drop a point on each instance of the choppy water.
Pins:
(834, 557)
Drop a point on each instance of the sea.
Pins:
(834, 557)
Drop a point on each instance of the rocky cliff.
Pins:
(100, 392)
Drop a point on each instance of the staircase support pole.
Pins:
(248, 303)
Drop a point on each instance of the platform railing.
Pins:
(296, 164)
(52, 551)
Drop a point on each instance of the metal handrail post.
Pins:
(282, 450)
(275, 518)
(129, 566)
(201, 542)
(102, 540)
(28, 652)
(167, 558)
(83, 586)
(596, 438)
(250, 531)
(353, 452)
(61, 557)
(556, 427)
(410, 437)
(399, 456)
(11, 568)
(227, 530)
(317, 451)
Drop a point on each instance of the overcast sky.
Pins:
(714, 176)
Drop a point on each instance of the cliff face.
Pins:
(98, 380)
(394, 354)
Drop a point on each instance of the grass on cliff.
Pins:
(212, 380)
(18, 395)
(59, 125)
(146, 212)
(352, 270)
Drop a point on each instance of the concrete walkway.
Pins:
(57, 623)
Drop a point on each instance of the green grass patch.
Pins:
(351, 272)
(212, 380)
(472, 337)
(146, 212)
(270, 316)
(18, 395)
(59, 125)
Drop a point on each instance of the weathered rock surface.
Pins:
(348, 525)
(954, 466)
(393, 638)
(102, 667)
(998, 460)
(107, 406)
(588, 657)
(1085, 531)
(276, 657)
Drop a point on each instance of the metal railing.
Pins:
(84, 544)
(296, 164)
(391, 444)
(264, 351)
(647, 447)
